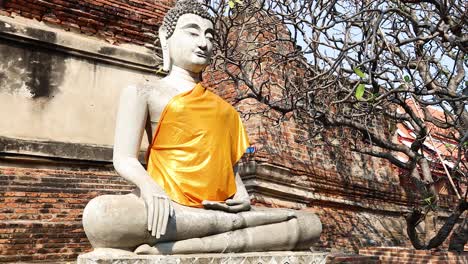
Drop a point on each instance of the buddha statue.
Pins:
(190, 198)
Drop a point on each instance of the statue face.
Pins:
(190, 46)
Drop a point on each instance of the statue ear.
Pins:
(165, 49)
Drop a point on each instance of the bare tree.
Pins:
(367, 66)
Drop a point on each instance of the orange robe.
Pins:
(196, 143)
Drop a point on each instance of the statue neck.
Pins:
(182, 79)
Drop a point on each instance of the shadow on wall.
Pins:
(30, 71)
(351, 230)
(288, 145)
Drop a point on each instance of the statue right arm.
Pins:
(131, 119)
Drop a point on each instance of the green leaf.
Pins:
(407, 78)
(428, 200)
(159, 70)
(360, 91)
(239, 2)
(231, 4)
(449, 145)
(359, 73)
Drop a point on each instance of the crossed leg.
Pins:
(296, 233)
(119, 222)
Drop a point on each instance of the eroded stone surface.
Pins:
(283, 257)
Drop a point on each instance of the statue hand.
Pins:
(230, 206)
(159, 209)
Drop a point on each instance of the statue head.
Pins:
(186, 36)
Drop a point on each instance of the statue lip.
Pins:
(201, 54)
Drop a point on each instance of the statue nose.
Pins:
(202, 43)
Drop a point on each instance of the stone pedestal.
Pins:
(277, 257)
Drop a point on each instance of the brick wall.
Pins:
(282, 138)
(41, 210)
(116, 21)
(120, 21)
(331, 170)
(348, 229)
(404, 255)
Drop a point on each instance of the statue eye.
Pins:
(209, 36)
(192, 33)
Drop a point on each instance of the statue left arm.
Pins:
(241, 200)
(241, 193)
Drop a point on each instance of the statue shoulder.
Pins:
(143, 90)
(134, 91)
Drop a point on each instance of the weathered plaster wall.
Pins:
(58, 99)
(49, 94)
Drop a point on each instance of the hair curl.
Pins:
(181, 8)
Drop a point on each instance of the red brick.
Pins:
(4, 13)
(52, 20)
(96, 23)
(60, 2)
(69, 25)
(88, 30)
(123, 38)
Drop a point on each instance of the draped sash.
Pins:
(197, 141)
